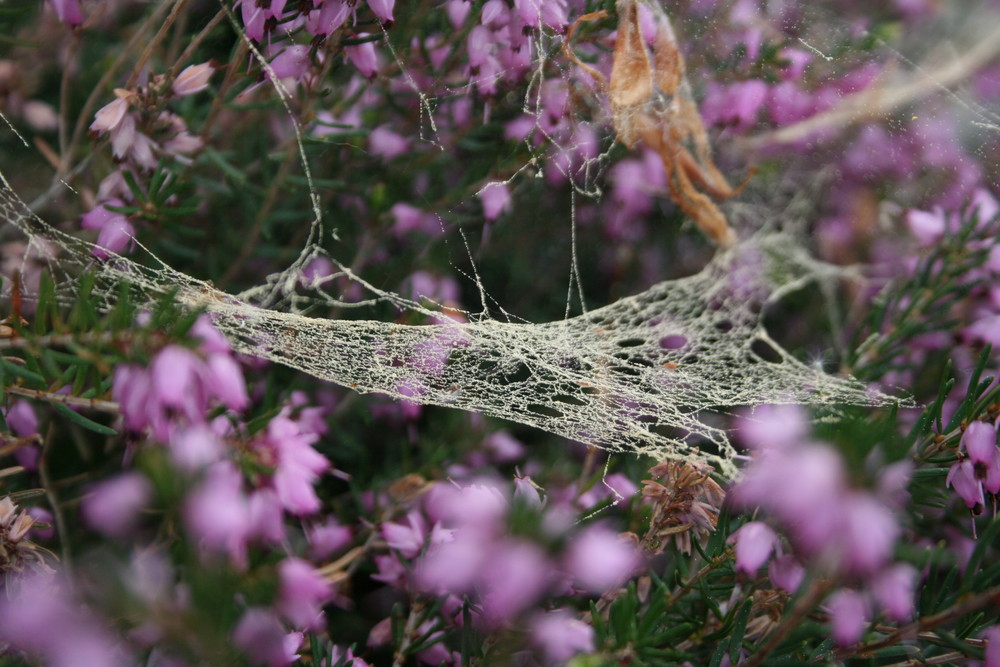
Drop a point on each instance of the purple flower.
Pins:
(382, 9)
(980, 443)
(297, 466)
(962, 478)
(292, 63)
(387, 144)
(478, 507)
(786, 572)
(754, 542)
(302, 593)
(736, 105)
(328, 18)
(893, 588)
(867, 534)
(927, 226)
(363, 57)
(261, 636)
(773, 426)
(495, 197)
(453, 566)
(193, 79)
(599, 559)
(217, 512)
(848, 616)
(327, 537)
(561, 635)
(68, 11)
(110, 116)
(224, 379)
(113, 507)
(515, 577)
(195, 447)
(41, 617)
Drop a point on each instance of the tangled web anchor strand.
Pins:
(633, 376)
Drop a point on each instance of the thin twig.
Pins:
(65, 399)
(967, 605)
(874, 103)
(160, 35)
(57, 516)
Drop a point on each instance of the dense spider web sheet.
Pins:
(642, 374)
(633, 376)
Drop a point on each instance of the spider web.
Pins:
(637, 375)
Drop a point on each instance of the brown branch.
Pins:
(65, 399)
(873, 103)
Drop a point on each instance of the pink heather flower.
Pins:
(175, 373)
(194, 447)
(494, 14)
(328, 537)
(42, 618)
(363, 57)
(980, 443)
(928, 227)
(110, 116)
(479, 507)
(503, 447)
(217, 512)
(454, 566)
(409, 218)
(408, 539)
(962, 478)
(193, 79)
(328, 18)
(386, 144)
(458, 11)
(267, 522)
(212, 342)
(754, 542)
(302, 593)
(495, 197)
(599, 559)
(23, 422)
(382, 9)
(848, 616)
(786, 572)
(254, 18)
(773, 426)
(517, 576)
(347, 655)
(292, 63)
(893, 588)
(317, 272)
(297, 466)
(260, 635)
(561, 635)
(113, 507)
(224, 379)
(867, 535)
(68, 11)
(391, 571)
(116, 236)
(736, 105)
(527, 492)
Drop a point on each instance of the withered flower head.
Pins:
(685, 499)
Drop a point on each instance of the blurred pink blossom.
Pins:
(495, 197)
(193, 79)
(600, 559)
(754, 541)
(561, 635)
(302, 593)
(261, 636)
(114, 507)
(848, 616)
